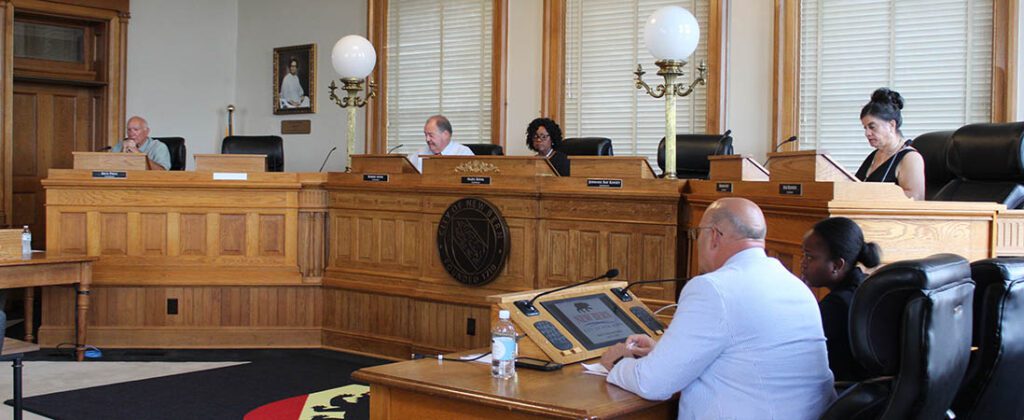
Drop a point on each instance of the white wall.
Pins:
(525, 62)
(267, 24)
(1020, 65)
(748, 100)
(181, 68)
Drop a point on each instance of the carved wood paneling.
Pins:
(154, 233)
(72, 237)
(113, 234)
(192, 234)
(232, 234)
(443, 327)
(272, 235)
(313, 247)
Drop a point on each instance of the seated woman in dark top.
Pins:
(544, 136)
(832, 249)
(893, 160)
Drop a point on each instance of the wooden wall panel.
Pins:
(232, 234)
(192, 234)
(203, 311)
(366, 314)
(72, 228)
(154, 233)
(442, 327)
(113, 234)
(272, 234)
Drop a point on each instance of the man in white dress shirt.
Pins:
(746, 341)
(438, 134)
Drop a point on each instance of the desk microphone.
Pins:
(104, 149)
(623, 293)
(395, 148)
(527, 308)
(789, 140)
(327, 157)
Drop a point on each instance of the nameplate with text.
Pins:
(375, 177)
(723, 187)
(791, 189)
(109, 174)
(476, 180)
(604, 183)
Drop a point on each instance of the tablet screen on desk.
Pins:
(593, 320)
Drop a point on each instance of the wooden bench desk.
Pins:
(43, 270)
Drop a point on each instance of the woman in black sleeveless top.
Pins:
(832, 249)
(893, 160)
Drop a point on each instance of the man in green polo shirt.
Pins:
(138, 141)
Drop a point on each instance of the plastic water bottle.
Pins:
(503, 347)
(26, 241)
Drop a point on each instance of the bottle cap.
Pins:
(503, 314)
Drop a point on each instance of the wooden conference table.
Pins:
(428, 388)
(46, 270)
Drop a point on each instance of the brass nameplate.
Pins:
(295, 127)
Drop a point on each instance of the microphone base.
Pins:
(527, 308)
(622, 294)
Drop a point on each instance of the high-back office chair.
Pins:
(988, 163)
(486, 149)
(272, 146)
(933, 148)
(176, 146)
(692, 151)
(910, 327)
(991, 388)
(586, 146)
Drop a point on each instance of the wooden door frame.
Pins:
(114, 14)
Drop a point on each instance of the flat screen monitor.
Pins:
(594, 320)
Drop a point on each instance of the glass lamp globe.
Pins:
(671, 33)
(353, 57)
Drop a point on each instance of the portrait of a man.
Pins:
(295, 79)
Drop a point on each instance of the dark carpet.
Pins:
(225, 393)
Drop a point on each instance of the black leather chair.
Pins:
(692, 151)
(587, 146)
(486, 149)
(991, 388)
(910, 327)
(176, 146)
(933, 148)
(988, 163)
(272, 146)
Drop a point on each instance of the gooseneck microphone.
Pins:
(395, 148)
(104, 149)
(787, 141)
(527, 308)
(327, 157)
(623, 293)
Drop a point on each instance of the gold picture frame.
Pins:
(297, 94)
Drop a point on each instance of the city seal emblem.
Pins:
(472, 241)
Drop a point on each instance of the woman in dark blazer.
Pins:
(544, 136)
(832, 249)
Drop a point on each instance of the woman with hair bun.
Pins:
(832, 249)
(893, 159)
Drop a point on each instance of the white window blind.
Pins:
(603, 45)
(936, 53)
(439, 62)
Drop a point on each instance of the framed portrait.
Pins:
(295, 79)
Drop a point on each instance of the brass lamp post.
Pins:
(353, 58)
(671, 35)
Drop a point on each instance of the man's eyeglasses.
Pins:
(693, 232)
(542, 137)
